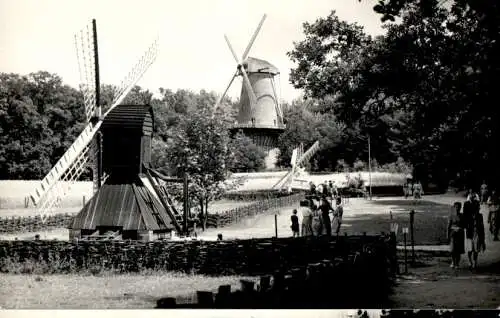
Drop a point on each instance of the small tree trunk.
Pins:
(202, 215)
(205, 216)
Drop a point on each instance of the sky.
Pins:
(39, 35)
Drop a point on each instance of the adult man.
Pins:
(325, 208)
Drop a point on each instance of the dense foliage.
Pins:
(423, 94)
(424, 91)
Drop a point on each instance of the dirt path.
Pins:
(436, 285)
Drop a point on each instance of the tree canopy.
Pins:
(422, 91)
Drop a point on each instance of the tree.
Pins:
(419, 91)
(247, 157)
(200, 148)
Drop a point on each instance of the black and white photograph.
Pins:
(335, 155)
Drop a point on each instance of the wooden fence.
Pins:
(244, 257)
(19, 224)
(361, 277)
(232, 216)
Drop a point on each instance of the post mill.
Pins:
(129, 200)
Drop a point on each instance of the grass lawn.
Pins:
(104, 292)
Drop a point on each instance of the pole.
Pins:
(96, 68)
(186, 203)
(406, 254)
(97, 103)
(369, 167)
(412, 222)
(276, 225)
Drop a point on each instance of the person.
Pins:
(325, 208)
(494, 214)
(295, 224)
(474, 233)
(417, 190)
(335, 190)
(312, 188)
(306, 218)
(484, 192)
(456, 234)
(325, 189)
(406, 190)
(470, 206)
(337, 216)
(316, 222)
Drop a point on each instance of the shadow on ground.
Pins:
(429, 226)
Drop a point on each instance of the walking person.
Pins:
(474, 233)
(471, 204)
(494, 214)
(484, 193)
(306, 218)
(326, 208)
(337, 216)
(456, 235)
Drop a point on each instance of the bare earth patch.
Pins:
(438, 286)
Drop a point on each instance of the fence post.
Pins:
(276, 225)
(412, 222)
(83, 201)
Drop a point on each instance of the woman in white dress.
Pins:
(337, 216)
(306, 218)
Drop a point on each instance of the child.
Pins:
(295, 223)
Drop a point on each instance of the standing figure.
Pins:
(306, 218)
(312, 188)
(494, 214)
(317, 222)
(406, 190)
(295, 224)
(484, 192)
(325, 208)
(325, 191)
(417, 190)
(474, 233)
(456, 234)
(337, 216)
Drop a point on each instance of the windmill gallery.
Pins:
(130, 200)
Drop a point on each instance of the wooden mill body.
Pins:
(127, 202)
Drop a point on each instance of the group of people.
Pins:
(327, 189)
(315, 214)
(466, 230)
(413, 189)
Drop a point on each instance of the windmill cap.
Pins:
(255, 65)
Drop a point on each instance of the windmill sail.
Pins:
(49, 193)
(300, 158)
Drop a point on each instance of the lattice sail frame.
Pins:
(286, 181)
(85, 52)
(48, 195)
